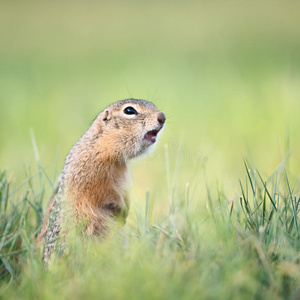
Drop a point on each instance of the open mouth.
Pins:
(151, 135)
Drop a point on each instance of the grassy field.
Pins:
(201, 224)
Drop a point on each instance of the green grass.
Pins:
(246, 247)
(201, 225)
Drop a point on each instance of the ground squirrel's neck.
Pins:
(95, 182)
(91, 175)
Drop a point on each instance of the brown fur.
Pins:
(93, 183)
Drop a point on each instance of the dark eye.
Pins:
(130, 111)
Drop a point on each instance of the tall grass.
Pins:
(246, 247)
(227, 77)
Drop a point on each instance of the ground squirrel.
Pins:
(92, 187)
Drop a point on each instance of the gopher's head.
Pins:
(129, 127)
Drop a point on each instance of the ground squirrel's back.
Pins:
(92, 186)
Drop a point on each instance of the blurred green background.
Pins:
(227, 75)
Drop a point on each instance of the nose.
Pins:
(161, 118)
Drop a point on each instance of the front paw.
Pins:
(113, 209)
(116, 211)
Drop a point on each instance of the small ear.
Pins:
(107, 116)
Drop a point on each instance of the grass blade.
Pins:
(292, 204)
